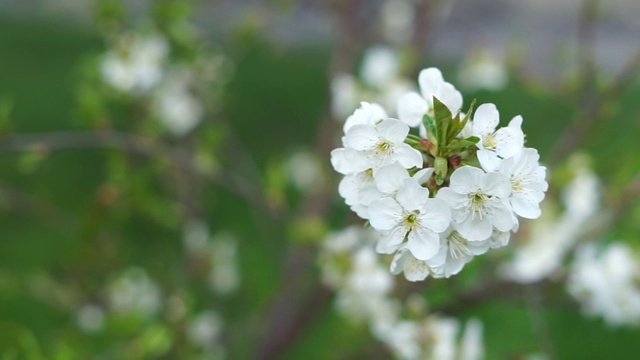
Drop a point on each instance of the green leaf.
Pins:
(442, 122)
(432, 130)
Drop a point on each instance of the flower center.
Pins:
(458, 246)
(516, 184)
(411, 220)
(477, 204)
(488, 141)
(383, 146)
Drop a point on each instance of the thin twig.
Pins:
(143, 146)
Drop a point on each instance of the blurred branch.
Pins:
(179, 158)
(301, 296)
(590, 100)
(20, 202)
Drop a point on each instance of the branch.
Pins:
(143, 146)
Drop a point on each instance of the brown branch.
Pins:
(143, 146)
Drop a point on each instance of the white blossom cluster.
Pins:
(606, 283)
(440, 198)
(364, 286)
(219, 252)
(140, 65)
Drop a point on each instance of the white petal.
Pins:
(390, 178)
(451, 198)
(485, 119)
(430, 80)
(388, 243)
(349, 189)
(411, 108)
(496, 184)
(408, 156)
(339, 162)
(526, 205)
(391, 240)
(435, 215)
(509, 142)
(361, 137)
(451, 97)
(466, 179)
(384, 214)
(423, 243)
(476, 229)
(489, 160)
(423, 175)
(394, 130)
(411, 195)
(503, 218)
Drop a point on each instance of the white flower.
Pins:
(205, 329)
(135, 292)
(305, 171)
(380, 66)
(90, 318)
(551, 237)
(606, 284)
(382, 145)
(479, 202)
(471, 346)
(366, 114)
(414, 269)
(136, 64)
(413, 106)
(495, 145)
(455, 252)
(358, 191)
(397, 17)
(527, 182)
(412, 215)
(344, 95)
(483, 69)
(176, 105)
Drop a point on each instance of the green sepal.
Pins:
(440, 166)
(457, 145)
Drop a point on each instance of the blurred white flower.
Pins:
(606, 284)
(442, 332)
(176, 105)
(90, 318)
(205, 329)
(397, 17)
(305, 171)
(344, 95)
(472, 346)
(135, 63)
(483, 69)
(134, 292)
(195, 235)
(224, 276)
(380, 66)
